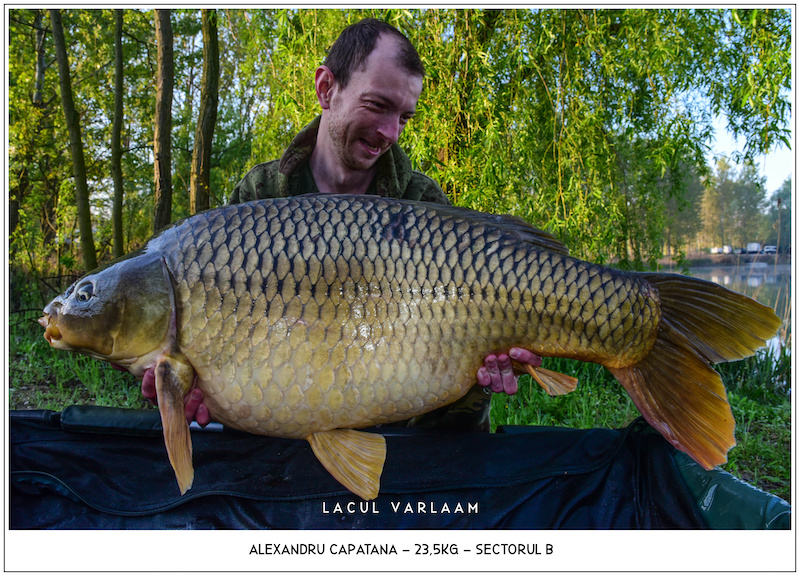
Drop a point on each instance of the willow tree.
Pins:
(76, 146)
(584, 121)
(590, 123)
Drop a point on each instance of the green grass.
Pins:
(599, 402)
(759, 390)
(43, 378)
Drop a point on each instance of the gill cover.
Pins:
(119, 312)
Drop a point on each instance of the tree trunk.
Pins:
(162, 145)
(207, 118)
(14, 201)
(116, 135)
(17, 195)
(76, 145)
(41, 65)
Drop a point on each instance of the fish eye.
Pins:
(84, 292)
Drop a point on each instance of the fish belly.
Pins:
(308, 314)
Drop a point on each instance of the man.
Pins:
(368, 90)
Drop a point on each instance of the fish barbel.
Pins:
(312, 317)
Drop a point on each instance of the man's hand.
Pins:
(497, 372)
(194, 407)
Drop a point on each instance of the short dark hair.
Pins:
(356, 43)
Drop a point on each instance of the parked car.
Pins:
(770, 249)
(753, 247)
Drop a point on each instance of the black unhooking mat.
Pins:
(90, 467)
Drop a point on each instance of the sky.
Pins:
(776, 166)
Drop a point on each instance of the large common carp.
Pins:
(311, 317)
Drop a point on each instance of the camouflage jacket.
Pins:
(290, 176)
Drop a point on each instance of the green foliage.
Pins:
(762, 377)
(777, 227)
(762, 455)
(756, 77)
(584, 122)
(45, 236)
(37, 160)
(683, 215)
(733, 206)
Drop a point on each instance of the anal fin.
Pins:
(554, 383)
(173, 381)
(354, 458)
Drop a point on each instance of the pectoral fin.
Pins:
(554, 383)
(354, 458)
(173, 381)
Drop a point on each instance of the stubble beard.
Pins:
(338, 136)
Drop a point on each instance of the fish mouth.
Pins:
(51, 331)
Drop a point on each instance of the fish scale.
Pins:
(316, 274)
(309, 317)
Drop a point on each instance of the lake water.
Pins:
(770, 284)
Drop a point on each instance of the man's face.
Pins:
(368, 115)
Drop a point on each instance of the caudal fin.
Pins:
(674, 387)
